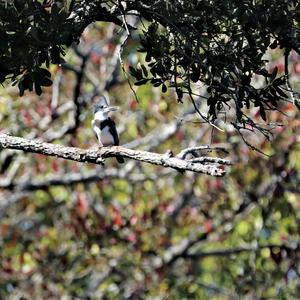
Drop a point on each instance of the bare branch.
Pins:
(98, 156)
(233, 251)
(192, 150)
(207, 159)
(181, 249)
(72, 179)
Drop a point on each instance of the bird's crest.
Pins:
(101, 103)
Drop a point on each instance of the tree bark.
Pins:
(98, 156)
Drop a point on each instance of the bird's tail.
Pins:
(120, 159)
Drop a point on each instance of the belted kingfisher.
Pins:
(104, 127)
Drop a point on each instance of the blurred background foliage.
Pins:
(75, 231)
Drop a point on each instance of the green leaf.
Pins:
(148, 57)
(145, 71)
(141, 82)
(40, 79)
(45, 72)
(45, 81)
(55, 55)
(37, 88)
(179, 93)
(262, 113)
(21, 88)
(264, 72)
(28, 83)
(273, 45)
(212, 110)
(152, 29)
(274, 73)
(157, 83)
(195, 74)
(281, 92)
(132, 71)
(279, 81)
(139, 73)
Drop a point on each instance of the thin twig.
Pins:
(185, 152)
(286, 74)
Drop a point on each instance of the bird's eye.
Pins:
(101, 106)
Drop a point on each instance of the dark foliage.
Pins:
(220, 44)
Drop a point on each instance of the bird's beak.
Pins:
(112, 108)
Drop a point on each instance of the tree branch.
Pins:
(98, 156)
(238, 250)
(68, 179)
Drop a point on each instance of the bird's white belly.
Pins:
(106, 137)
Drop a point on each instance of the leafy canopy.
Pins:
(219, 44)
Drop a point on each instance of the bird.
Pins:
(104, 127)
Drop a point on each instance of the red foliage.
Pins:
(55, 165)
(215, 184)
(96, 58)
(116, 217)
(132, 237)
(82, 205)
(208, 226)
